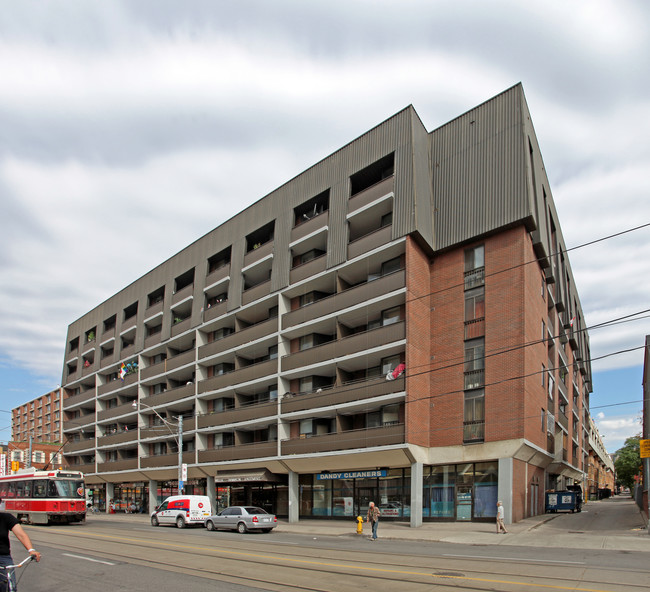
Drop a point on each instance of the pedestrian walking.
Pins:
(10, 524)
(373, 516)
(500, 516)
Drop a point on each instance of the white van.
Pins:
(182, 510)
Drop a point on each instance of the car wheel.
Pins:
(154, 521)
(210, 525)
(241, 528)
(180, 522)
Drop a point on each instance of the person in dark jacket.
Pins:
(8, 523)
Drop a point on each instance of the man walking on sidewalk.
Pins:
(373, 516)
(500, 516)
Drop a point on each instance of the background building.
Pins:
(398, 323)
(600, 471)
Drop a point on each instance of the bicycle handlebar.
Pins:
(23, 562)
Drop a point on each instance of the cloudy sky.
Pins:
(130, 129)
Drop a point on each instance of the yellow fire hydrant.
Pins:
(359, 525)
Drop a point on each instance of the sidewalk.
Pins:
(561, 530)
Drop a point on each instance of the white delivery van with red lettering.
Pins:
(182, 510)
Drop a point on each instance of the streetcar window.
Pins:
(40, 488)
(4, 488)
(28, 489)
(20, 488)
(11, 490)
(65, 488)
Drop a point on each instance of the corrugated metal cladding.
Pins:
(479, 171)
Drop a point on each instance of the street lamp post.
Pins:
(179, 438)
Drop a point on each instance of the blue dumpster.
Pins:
(558, 501)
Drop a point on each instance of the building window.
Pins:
(391, 316)
(474, 363)
(474, 267)
(475, 304)
(474, 416)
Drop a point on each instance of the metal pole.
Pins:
(29, 454)
(180, 454)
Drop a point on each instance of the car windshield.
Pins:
(253, 510)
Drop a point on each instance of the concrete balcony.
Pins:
(373, 193)
(217, 275)
(117, 384)
(128, 464)
(345, 393)
(88, 444)
(352, 439)
(255, 255)
(345, 347)
(351, 297)
(247, 413)
(239, 452)
(245, 374)
(309, 269)
(216, 310)
(252, 333)
(256, 292)
(76, 400)
(108, 360)
(166, 460)
(182, 294)
(308, 227)
(85, 468)
(118, 438)
(373, 240)
(125, 409)
(181, 327)
(169, 396)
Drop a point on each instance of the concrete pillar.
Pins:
(417, 485)
(504, 490)
(110, 494)
(211, 492)
(294, 497)
(153, 495)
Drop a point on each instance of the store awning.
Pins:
(246, 476)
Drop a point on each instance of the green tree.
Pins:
(628, 462)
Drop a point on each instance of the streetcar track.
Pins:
(445, 577)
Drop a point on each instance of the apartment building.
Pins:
(398, 323)
(600, 471)
(39, 419)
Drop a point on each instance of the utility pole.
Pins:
(29, 454)
(180, 455)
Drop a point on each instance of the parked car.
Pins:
(182, 510)
(242, 519)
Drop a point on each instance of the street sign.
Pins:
(644, 448)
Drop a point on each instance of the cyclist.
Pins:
(10, 524)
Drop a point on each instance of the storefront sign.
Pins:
(352, 475)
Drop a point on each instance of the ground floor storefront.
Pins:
(461, 492)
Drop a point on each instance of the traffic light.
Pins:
(15, 465)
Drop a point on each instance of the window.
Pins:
(391, 316)
(260, 237)
(90, 334)
(130, 311)
(156, 296)
(184, 280)
(474, 416)
(109, 324)
(475, 304)
(474, 363)
(372, 174)
(474, 267)
(311, 208)
(74, 344)
(219, 260)
(543, 420)
(391, 266)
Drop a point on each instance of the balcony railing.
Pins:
(238, 338)
(344, 393)
(118, 438)
(255, 255)
(475, 328)
(474, 379)
(342, 300)
(166, 460)
(379, 237)
(344, 347)
(87, 444)
(238, 414)
(370, 194)
(473, 431)
(124, 409)
(309, 226)
(309, 269)
(256, 292)
(474, 278)
(240, 452)
(183, 293)
(346, 440)
(75, 400)
(117, 384)
(238, 376)
(128, 464)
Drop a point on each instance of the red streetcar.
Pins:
(44, 497)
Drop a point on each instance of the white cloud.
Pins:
(616, 429)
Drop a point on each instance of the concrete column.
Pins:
(110, 494)
(294, 497)
(504, 491)
(153, 495)
(417, 484)
(211, 492)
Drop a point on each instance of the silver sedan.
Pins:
(242, 519)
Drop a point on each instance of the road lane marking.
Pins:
(89, 559)
(358, 568)
(514, 559)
